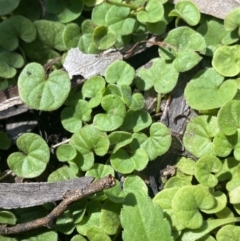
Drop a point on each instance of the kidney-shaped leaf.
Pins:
(114, 117)
(187, 11)
(188, 201)
(226, 60)
(33, 158)
(41, 93)
(163, 76)
(205, 167)
(152, 13)
(90, 139)
(198, 135)
(156, 144)
(14, 28)
(7, 6)
(209, 83)
(9, 62)
(125, 164)
(232, 20)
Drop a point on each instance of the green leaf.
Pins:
(61, 174)
(186, 45)
(119, 139)
(118, 20)
(47, 235)
(110, 220)
(9, 62)
(186, 165)
(93, 89)
(152, 13)
(231, 21)
(71, 35)
(92, 219)
(96, 234)
(7, 6)
(137, 102)
(156, 144)
(209, 83)
(78, 238)
(206, 228)
(123, 163)
(205, 167)
(198, 136)
(163, 76)
(7, 217)
(134, 183)
(234, 196)
(187, 11)
(15, 28)
(115, 194)
(104, 37)
(83, 162)
(5, 142)
(215, 35)
(228, 117)
(90, 139)
(226, 60)
(136, 120)
(65, 152)
(72, 117)
(71, 10)
(33, 159)
(188, 201)
(228, 232)
(41, 93)
(48, 42)
(224, 145)
(120, 72)
(114, 117)
(139, 213)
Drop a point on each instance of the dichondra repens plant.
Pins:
(107, 119)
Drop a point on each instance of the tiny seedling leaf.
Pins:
(66, 152)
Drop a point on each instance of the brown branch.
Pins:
(70, 197)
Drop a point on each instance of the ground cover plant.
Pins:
(106, 127)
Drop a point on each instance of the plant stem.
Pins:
(159, 98)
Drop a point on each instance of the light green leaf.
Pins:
(186, 165)
(152, 13)
(156, 144)
(205, 167)
(71, 35)
(228, 117)
(134, 183)
(61, 174)
(110, 220)
(143, 220)
(198, 135)
(96, 234)
(7, 217)
(209, 83)
(72, 117)
(232, 20)
(226, 60)
(66, 152)
(33, 158)
(90, 139)
(123, 163)
(187, 11)
(41, 93)
(228, 232)
(136, 120)
(187, 203)
(120, 72)
(114, 117)
(163, 76)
